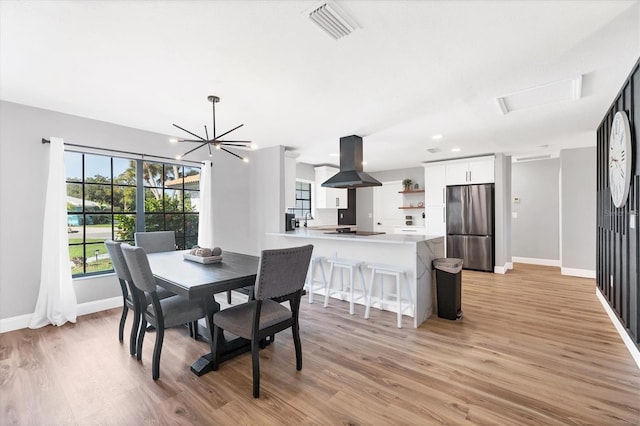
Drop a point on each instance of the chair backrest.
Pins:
(155, 242)
(119, 264)
(139, 268)
(282, 271)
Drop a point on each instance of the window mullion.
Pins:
(139, 196)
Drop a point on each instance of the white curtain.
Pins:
(57, 302)
(205, 222)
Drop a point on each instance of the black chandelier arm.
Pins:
(225, 143)
(197, 147)
(192, 140)
(192, 134)
(225, 133)
(232, 153)
(228, 141)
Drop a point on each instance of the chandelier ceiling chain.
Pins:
(215, 141)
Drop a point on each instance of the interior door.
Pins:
(386, 200)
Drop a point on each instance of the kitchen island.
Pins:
(413, 252)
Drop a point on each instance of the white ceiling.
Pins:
(414, 69)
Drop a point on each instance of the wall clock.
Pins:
(620, 159)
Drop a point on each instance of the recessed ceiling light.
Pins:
(178, 157)
(436, 137)
(253, 146)
(173, 140)
(455, 149)
(334, 154)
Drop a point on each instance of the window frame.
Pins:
(189, 230)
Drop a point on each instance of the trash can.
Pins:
(449, 287)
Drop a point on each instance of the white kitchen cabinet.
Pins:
(436, 221)
(435, 183)
(435, 202)
(328, 198)
(470, 171)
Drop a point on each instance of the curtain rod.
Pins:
(125, 152)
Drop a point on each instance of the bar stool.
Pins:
(317, 262)
(352, 266)
(400, 274)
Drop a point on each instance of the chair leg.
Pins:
(143, 329)
(255, 360)
(399, 292)
(157, 351)
(296, 342)
(123, 319)
(351, 284)
(135, 329)
(367, 309)
(228, 297)
(190, 325)
(327, 286)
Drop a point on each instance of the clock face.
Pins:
(620, 159)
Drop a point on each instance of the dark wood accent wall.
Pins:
(618, 244)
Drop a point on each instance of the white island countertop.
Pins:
(379, 238)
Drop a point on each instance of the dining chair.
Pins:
(157, 242)
(129, 296)
(281, 276)
(165, 313)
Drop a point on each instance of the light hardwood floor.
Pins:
(533, 348)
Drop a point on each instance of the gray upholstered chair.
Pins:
(129, 297)
(165, 313)
(281, 276)
(156, 242)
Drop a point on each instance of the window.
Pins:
(303, 199)
(102, 204)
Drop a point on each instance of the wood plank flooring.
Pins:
(534, 348)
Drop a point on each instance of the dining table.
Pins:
(194, 280)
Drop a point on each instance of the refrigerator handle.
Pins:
(443, 196)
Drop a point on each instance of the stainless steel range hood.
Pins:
(351, 174)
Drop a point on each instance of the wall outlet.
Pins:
(514, 215)
(370, 215)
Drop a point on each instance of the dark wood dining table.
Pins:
(194, 280)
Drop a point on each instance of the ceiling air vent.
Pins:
(433, 150)
(333, 20)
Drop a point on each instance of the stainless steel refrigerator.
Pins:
(470, 226)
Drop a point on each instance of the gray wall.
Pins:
(535, 232)
(578, 206)
(23, 172)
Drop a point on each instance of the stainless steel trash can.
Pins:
(449, 287)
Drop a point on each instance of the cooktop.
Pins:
(353, 232)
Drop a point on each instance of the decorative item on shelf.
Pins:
(216, 142)
(407, 184)
(408, 220)
(420, 204)
(416, 186)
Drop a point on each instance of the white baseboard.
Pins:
(534, 261)
(631, 347)
(509, 265)
(23, 321)
(500, 269)
(584, 273)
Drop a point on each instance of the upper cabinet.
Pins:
(470, 171)
(328, 198)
